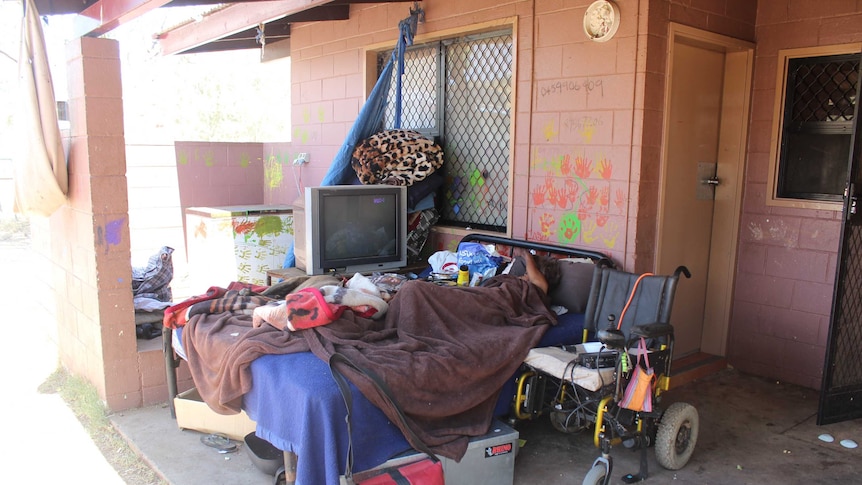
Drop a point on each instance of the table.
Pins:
(283, 273)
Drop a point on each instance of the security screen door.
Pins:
(841, 390)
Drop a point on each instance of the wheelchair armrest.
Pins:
(652, 330)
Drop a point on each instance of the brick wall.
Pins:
(787, 257)
(587, 115)
(85, 243)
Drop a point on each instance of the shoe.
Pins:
(219, 442)
(147, 331)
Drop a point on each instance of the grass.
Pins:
(84, 401)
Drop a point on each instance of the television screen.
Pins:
(353, 228)
(359, 225)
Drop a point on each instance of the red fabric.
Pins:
(422, 472)
(238, 285)
(175, 316)
(307, 308)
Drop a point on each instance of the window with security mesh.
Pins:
(819, 110)
(459, 92)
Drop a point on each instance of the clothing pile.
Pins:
(151, 291)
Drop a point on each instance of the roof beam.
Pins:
(61, 7)
(275, 31)
(233, 19)
(106, 15)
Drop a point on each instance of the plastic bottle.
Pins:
(463, 275)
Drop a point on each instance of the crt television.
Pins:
(351, 229)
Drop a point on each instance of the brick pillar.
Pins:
(87, 240)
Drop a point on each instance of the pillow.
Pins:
(576, 280)
(575, 284)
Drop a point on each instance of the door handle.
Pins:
(711, 181)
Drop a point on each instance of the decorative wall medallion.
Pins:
(601, 20)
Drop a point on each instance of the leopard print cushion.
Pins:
(396, 157)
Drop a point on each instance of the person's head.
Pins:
(550, 269)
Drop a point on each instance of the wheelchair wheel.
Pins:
(677, 435)
(596, 475)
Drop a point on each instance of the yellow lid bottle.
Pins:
(463, 275)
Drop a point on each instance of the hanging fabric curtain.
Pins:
(371, 115)
(41, 175)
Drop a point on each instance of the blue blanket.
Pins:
(298, 407)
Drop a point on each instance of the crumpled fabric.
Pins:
(154, 280)
(396, 157)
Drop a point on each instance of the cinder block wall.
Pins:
(85, 244)
(787, 257)
(587, 116)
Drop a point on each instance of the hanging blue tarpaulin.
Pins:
(370, 116)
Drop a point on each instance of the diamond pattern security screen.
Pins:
(459, 91)
(818, 122)
(847, 368)
(841, 397)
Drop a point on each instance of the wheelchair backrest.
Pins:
(652, 301)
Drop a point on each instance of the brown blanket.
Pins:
(445, 352)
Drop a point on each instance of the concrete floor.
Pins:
(43, 440)
(752, 431)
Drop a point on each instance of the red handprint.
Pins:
(583, 213)
(572, 189)
(566, 164)
(592, 195)
(620, 200)
(583, 167)
(539, 193)
(605, 169)
(562, 198)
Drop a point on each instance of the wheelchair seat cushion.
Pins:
(560, 364)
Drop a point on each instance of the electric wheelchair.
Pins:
(583, 386)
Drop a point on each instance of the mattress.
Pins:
(298, 407)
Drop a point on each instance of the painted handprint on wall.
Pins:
(588, 235)
(546, 223)
(566, 164)
(570, 228)
(539, 194)
(605, 169)
(620, 201)
(583, 167)
(609, 237)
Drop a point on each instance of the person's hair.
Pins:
(550, 269)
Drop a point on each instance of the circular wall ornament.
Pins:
(601, 20)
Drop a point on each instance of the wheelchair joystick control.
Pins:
(612, 337)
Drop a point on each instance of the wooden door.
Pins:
(703, 155)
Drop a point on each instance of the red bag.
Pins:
(422, 472)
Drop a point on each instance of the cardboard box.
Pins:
(193, 413)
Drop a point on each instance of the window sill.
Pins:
(805, 204)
